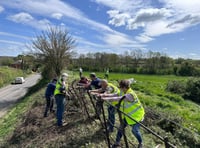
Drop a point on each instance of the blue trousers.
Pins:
(135, 131)
(60, 100)
(111, 117)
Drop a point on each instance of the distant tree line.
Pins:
(136, 61)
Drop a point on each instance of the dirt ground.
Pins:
(37, 131)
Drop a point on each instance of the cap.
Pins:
(64, 75)
(92, 74)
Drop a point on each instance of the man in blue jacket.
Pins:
(49, 95)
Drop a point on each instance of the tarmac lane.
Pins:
(10, 94)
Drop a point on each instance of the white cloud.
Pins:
(14, 35)
(183, 6)
(26, 18)
(123, 5)
(47, 8)
(169, 16)
(118, 40)
(57, 15)
(21, 17)
(11, 50)
(1, 9)
(11, 42)
(144, 38)
(117, 18)
(145, 16)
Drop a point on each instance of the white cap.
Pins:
(131, 80)
(64, 75)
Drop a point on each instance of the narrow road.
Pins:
(11, 93)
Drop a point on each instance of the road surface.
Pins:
(11, 93)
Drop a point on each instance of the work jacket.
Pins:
(60, 88)
(113, 90)
(133, 108)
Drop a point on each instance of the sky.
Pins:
(114, 26)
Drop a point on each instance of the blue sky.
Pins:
(166, 26)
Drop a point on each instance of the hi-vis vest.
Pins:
(115, 90)
(57, 89)
(134, 109)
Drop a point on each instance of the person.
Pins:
(110, 90)
(94, 83)
(107, 74)
(80, 72)
(60, 93)
(83, 81)
(49, 95)
(131, 106)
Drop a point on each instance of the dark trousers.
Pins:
(99, 104)
(111, 117)
(60, 101)
(49, 105)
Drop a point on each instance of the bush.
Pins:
(176, 86)
(186, 69)
(192, 91)
(8, 74)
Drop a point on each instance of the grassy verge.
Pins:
(10, 121)
(31, 130)
(8, 74)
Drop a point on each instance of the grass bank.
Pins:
(29, 129)
(7, 74)
(10, 121)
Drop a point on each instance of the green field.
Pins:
(151, 91)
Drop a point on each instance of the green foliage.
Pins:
(8, 74)
(151, 90)
(9, 122)
(176, 86)
(186, 69)
(193, 90)
(189, 89)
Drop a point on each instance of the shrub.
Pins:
(192, 91)
(176, 86)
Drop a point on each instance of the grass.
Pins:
(9, 122)
(151, 91)
(8, 74)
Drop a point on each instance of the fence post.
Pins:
(122, 122)
(105, 125)
(166, 140)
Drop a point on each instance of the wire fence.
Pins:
(84, 100)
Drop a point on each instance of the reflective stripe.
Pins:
(127, 105)
(136, 109)
(114, 88)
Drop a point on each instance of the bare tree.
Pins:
(53, 49)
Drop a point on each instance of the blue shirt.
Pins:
(50, 89)
(96, 83)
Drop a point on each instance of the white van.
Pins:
(19, 80)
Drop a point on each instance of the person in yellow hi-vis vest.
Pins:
(111, 91)
(60, 93)
(131, 106)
